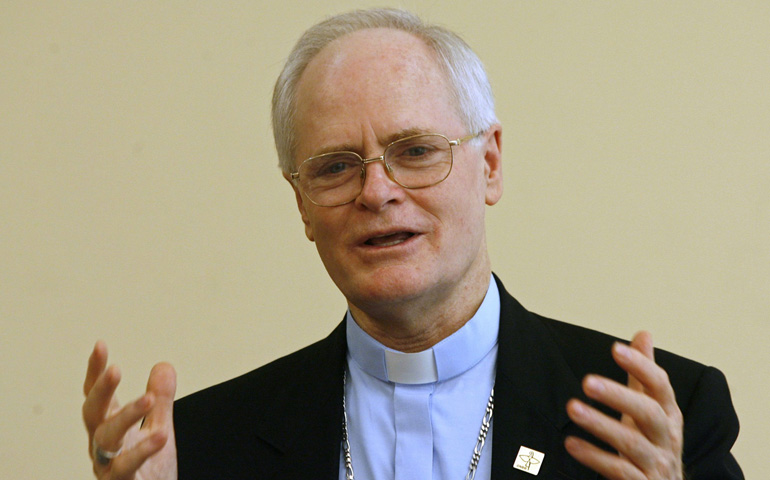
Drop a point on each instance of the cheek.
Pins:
(326, 233)
(460, 218)
(466, 199)
(329, 252)
(467, 212)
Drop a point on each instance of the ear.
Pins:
(301, 207)
(493, 163)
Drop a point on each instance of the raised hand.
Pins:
(119, 447)
(649, 435)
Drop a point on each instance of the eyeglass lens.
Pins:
(414, 162)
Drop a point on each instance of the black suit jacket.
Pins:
(283, 420)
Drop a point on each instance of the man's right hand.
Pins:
(147, 452)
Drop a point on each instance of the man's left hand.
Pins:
(648, 436)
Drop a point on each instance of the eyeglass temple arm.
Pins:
(464, 139)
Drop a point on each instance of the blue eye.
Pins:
(416, 151)
(334, 168)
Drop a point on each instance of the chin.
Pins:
(386, 285)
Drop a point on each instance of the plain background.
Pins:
(140, 200)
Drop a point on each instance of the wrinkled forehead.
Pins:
(382, 76)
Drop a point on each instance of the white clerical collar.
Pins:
(452, 356)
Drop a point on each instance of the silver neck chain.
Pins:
(485, 423)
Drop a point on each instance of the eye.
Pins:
(416, 151)
(331, 167)
(334, 168)
(413, 152)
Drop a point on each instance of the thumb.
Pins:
(162, 384)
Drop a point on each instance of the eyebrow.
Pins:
(407, 132)
(349, 147)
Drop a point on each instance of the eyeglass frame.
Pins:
(294, 176)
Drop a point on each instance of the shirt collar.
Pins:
(450, 357)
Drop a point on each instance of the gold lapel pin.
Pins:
(529, 460)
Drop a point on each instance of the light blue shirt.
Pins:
(417, 416)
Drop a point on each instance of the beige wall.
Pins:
(140, 203)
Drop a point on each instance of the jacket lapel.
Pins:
(533, 384)
(306, 425)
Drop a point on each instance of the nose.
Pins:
(378, 188)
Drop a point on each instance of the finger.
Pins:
(606, 464)
(638, 409)
(100, 398)
(162, 385)
(125, 465)
(97, 362)
(109, 435)
(626, 440)
(653, 379)
(642, 341)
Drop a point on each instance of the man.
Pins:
(385, 129)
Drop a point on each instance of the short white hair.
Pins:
(468, 82)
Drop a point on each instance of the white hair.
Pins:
(468, 82)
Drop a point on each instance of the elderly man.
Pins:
(385, 128)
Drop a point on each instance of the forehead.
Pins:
(370, 84)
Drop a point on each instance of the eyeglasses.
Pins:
(337, 178)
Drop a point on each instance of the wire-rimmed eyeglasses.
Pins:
(417, 161)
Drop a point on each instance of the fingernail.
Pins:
(622, 349)
(571, 443)
(594, 384)
(577, 408)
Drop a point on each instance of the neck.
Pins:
(419, 324)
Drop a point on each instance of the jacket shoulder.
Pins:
(268, 421)
(271, 379)
(702, 394)
(589, 351)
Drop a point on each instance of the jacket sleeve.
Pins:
(710, 430)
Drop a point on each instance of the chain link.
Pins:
(345, 440)
(486, 422)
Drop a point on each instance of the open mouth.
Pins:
(389, 240)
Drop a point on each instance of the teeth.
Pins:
(389, 240)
